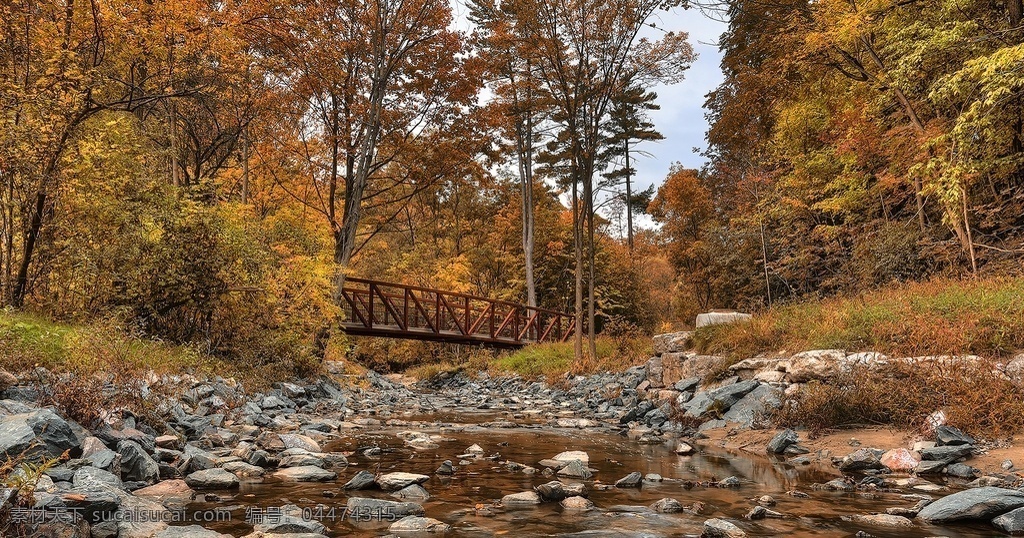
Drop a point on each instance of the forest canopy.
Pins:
(209, 173)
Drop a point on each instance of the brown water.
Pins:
(618, 512)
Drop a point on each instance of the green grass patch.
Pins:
(28, 341)
(928, 318)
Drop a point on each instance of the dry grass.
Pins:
(975, 396)
(553, 361)
(931, 318)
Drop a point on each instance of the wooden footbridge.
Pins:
(374, 308)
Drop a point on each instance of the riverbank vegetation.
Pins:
(938, 317)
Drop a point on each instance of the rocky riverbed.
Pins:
(646, 452)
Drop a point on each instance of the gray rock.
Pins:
(720, 528)
(361, 480)
(720, 399)
(416, 525)
(667, 506)
(950, 436)
(37, 434)
(729, 482)
(306, 473)
(90, 477)
(782, 440)
(670, 342)
(212, 479)
(754, 406)
(929, 467)
(960, 470)
(861, 460)
(553, 491)
(414, 491)
(525, 498)
(136, 465)
(947, 454)
(689, 384)
(364, 509)
(446, 468)
(632, 480)
(397, 481)
(716, 318)
(883, 520)
(301, 460)
(575, 469)
(1011, 522)
(577, 504)
(173, 494)
(972, 504)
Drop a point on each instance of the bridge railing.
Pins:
(375, 308)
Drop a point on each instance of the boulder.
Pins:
(136, 465)
(36, 434)
(417, 525)
(810, 365)
(397, 481)
(861, 460)
(950, 436)
(1011, 522)
(570, 455)
(91, 477)
(671, 342)
(306, 473)
(361, 480)
(525, 498)
(577, 504)
(667, 506)
(294, 440)
(720, 399)
(575, 469)
(947, 454)
(900, 460)
(365, 509)
(632, 480)
(7, 380)
(883, 520)
(753, 407)
(153, 523)
(717, 318)
(553, 491)
(781, 441)
(173, 494)
(655, 373)
(414, 491)
(1015, 368)
(720, 528)
(972, 504)
(212, 479)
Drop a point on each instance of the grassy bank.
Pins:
(930, 318)
(545, 361)
(28, 341)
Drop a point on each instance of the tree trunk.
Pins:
(577, 235)
(245, 165)
(629, 203)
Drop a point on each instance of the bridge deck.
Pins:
(375, 308)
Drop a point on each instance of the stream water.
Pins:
(618, 512)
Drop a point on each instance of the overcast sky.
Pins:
(681, 118)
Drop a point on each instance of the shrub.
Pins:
(974, 394)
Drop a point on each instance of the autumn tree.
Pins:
(369, 77)
(586, 53)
